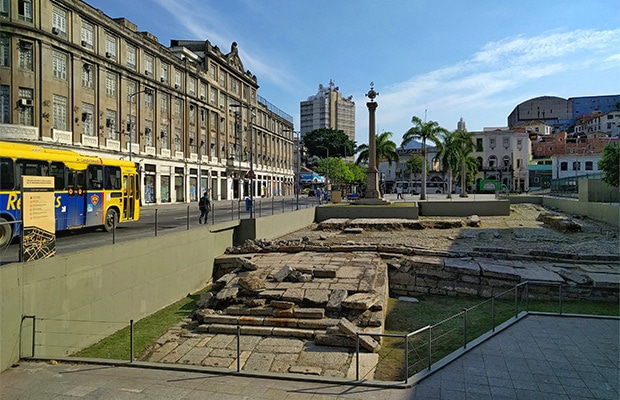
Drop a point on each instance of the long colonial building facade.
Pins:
(189, 114)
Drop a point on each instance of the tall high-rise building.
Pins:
(328, 109)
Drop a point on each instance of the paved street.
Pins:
(539, 357)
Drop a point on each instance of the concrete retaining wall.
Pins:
(274, 225)
(464, 208)
(104, 286)
(598, 211)
(409, 211)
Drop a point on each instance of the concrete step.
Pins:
(271, 322)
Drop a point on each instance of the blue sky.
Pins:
(439, 59)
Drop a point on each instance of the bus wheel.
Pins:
(111, 219)
(6, 233)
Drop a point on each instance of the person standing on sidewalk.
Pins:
(399, 192)
(204, 204)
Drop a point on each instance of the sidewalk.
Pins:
(539, 357)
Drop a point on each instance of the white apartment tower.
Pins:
(328, 109)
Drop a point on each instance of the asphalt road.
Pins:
(167, 218)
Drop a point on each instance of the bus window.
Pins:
(29, 168)
(95, 177)
(57, 170)
(76, 180)
(6, 174)
(112, 178)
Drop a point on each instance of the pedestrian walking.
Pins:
(399, 192)
(204, 204)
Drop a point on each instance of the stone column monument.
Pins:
(373, 194)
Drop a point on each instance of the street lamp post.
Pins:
(131, 124)
(251, 172)
(297, 167)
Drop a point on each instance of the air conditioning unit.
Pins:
(108, 54)
(163, 79)
(55, 31)
(177, 86)
(202, 97)
(84, 43)
(26, 102)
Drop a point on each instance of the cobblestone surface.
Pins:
(520, 232)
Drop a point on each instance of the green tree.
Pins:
(414, 164)
(336, 141)
(423, 131)
(610, 164)
(386, 149)
(448, 151)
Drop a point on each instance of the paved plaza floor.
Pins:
(539, 357)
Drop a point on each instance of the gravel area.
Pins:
(520, 232)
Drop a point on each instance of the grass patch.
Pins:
(403, 317)
(146, 331)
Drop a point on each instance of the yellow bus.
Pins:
(89, 190)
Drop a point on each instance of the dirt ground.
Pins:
(520, 232)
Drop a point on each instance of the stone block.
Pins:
(222, 328)
(305, 369)
(334, 340)
(281, 304)
(256, 330)
(220, 319)
(470, 279)
(499, 271)
(360, 301)
(435, 272)
(463, 289)
(309, 313)
(251, 320)
(317, 323)
(316, 296)
(259, 311)
(227, 294)
(291, 248)
(461, 266)
(292, 332)
(335, 300)
(393, 249)
(254, 302)
(281, 322)
(283, 273)
(252, 284)
(283, 313)
(294, 295)
(271, 294)
(324, 272)
(351, 330)
(400, 278)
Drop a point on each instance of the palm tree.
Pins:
(386, 149)
(423, 131)
(465, 147)
(448, 151)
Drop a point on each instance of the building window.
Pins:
(192, 86)
(563, 166)
(60, 112)
(24, 10)
(178, 143)
(223, 79)
(25, 55)
(164, 73)
(110, 84)
(164, 136)
(59, 21)
(5, 51)
(87, 76)
(4, 8)
(148, 65)
(5, 105)
(492, 161)
(203, 91)
(506, 142)
(178, 80)
(110, 46)
(131, 56)
(212, 96)
(148, 98)
(212, 71)
(222, 100)
(87, 34)
(492, 143)
(110, 124)
(164, 105)
(88, 110)
(506, 160)
(148, 132)
(177, 108)
(132, 87)
(192, 114)
(26, 113)
(576, 166)
(60, 65)
(589, 166)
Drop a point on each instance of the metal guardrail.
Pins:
(416, 343)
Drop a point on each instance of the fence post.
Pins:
(131, 340)
(273, 204)
(406, 358)
(156, 217)
(188, 218)
(527, 296)
(493, 313)
(464, 328)
(430, 346)
(238, 348)
(357, 356)
(561, 295)
(113, 230)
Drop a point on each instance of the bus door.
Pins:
(129, 196)
(76, 199)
